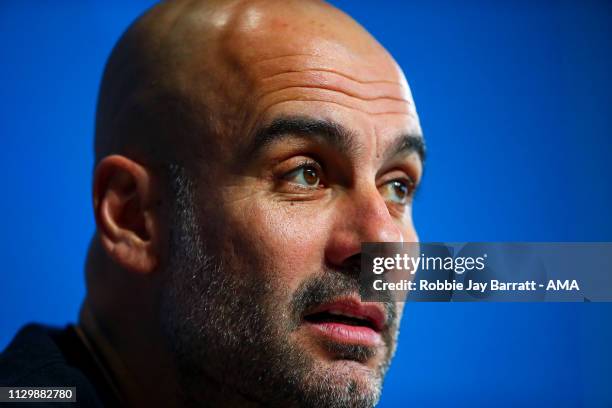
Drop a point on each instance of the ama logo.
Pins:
(562, 285)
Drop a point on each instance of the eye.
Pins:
(398, 191)
(307, 175)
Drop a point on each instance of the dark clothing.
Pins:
(41, 356)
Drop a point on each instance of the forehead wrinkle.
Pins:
(317, 67)
(362, 70)
(328, 80)
(317, 79)
(317, 94)
(340, 91)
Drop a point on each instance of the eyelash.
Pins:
(308, 163)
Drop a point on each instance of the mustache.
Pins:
(328, 287)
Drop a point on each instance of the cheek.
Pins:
(286, 240)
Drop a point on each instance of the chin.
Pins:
(341, 375)
(345, 371)
(346, 383)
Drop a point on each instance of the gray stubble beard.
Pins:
(228, 333)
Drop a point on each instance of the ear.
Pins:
(124, 195)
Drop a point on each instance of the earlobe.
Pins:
(124, 192)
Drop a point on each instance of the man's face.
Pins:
(262, 294)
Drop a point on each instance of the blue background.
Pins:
(515, 101)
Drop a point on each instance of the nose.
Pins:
(363, 217)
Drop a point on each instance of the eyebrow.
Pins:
(330, 132)
(291, 126)
(407, 144)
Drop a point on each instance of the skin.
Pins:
(193, 82)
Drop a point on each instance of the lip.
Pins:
(340, 332)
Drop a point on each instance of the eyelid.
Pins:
(398, 175)
(410, 184)
(284, 175)
(306, 162)
(404, 178)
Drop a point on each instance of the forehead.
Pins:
(303, 59)
(375, 111)
(321, 65)
(265, 43)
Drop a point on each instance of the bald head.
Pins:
(191, 76)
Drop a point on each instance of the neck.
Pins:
(136, 375)
(133, 362)
(133, 348)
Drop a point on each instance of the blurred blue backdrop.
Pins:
(515, 100)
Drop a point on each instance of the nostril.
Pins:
(352, 265)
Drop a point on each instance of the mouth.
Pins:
(348, 321)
